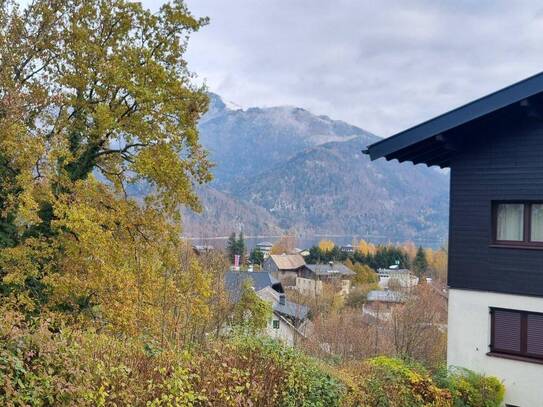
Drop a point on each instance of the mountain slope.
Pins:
(244, 143)
(222, 214)
(285, 168)
(334, 188)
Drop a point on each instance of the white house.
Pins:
(402, 277)
(289, 322)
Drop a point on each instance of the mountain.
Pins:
(334, 188)
(244, 143)
(222, 214)
(284, 168)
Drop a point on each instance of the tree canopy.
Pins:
(96, 97)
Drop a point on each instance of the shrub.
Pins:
(386, 382)
(36, 368)
(470, 389)
(44, 366)
(303, 381)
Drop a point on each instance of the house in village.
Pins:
(494, 150)
(290, 321)
(401, 278)
(348, 248)
(379, 304)
(265, 248)
(284, 267)
(311, 278)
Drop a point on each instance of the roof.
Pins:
(233, 282)
(435, 141)
(265, 244)
(288, 261)
(386, 296)
(291, 309)
(330, 269)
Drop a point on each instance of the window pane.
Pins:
(535, 334)
(537, 223)
(507, 331)
(510, 222)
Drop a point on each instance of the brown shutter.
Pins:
(507, 331)
(535, 334)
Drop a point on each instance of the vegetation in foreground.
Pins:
(43, 365)
(101, 301)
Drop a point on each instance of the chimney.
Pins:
(282, 299)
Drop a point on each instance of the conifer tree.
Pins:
(420, 264)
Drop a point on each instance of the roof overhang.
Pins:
(435, 141)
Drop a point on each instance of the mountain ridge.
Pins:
(284, 168)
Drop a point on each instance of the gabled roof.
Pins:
(289, 308)
(435, 141)
(288, 261)
(330, 269)
(292, 309)
(233, 282)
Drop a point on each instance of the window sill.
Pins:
(515, 246)
(515, 357)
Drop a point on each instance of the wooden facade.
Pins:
(494, 149)
(505, 163)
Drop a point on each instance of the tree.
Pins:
(99, 95)
(285, 244)
(416, 327)
(365, 275)
(241, 247)
(437, 263)
(420, 264)
(386, 256)
(231, 246)
(235, 246)
(251, 313)
(256, 256)
(326, 245)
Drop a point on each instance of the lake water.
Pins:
(305, 242)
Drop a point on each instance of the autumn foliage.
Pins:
(102, 302)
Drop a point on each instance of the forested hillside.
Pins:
(285, 168)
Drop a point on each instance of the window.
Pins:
(536, 234)
(518, 223)
(516, 333)
(510, 222)
(275, 324)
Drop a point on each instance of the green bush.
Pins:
(470, 389)
(305, 381)
(387, 382)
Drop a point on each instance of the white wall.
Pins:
(285, 333)
(308, 286)
(469, 337)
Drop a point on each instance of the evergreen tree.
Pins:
(420, 264)
(240, 246)
(256, 257)
(231, 247)
(236, 246)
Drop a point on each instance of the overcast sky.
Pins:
(382, 65)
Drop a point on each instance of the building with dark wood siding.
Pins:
(494, 149)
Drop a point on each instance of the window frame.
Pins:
(276, 324)
(523, 353)
(526, 242)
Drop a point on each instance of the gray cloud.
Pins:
(382, 65)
